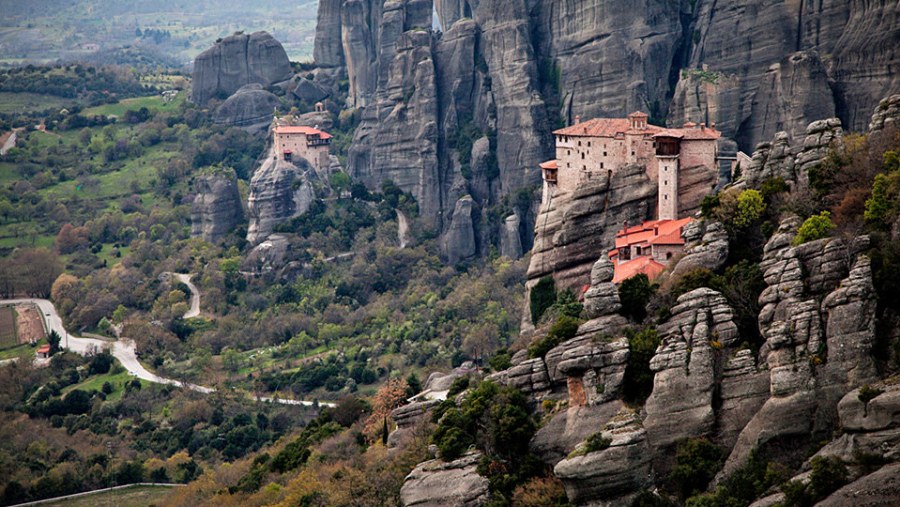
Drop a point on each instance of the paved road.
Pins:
(195, 295)
(124, 348)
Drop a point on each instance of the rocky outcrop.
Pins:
(250, 106)
(818, 322)
(878, 489)
(706, 247)
(309, 91)
(217, 207)
(510, 237)
(236, 61)
(886, 115)
(437, 483)
(268, 256)
(792, 161)
(408, 418)
(279, 191)
(696, 344)
(603, 296)
(574, 229)
(791, 92)
(459, 242)
(614, 475)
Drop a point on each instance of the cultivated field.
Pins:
(29, 325)
(136, 496)
(8, 327)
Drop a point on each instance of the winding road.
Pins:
(124, 348)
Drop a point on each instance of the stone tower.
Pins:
(668, 152)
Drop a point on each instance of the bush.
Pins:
(750, 206)
(634, 294)
(638, 381)
(696, 462)
(815, 227)
(502, 360)
(828, 474)
(868, 393)
(542, 297)
(564, 328)
(596, 442)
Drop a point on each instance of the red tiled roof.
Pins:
(604, 127)
(690, 133)
(645, 265)
(653, 232)
(45, 349)
(309, 131)
(550, 164)
(672, 238)
(639, 114)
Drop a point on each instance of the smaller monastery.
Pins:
(647, 248)
(292, 142)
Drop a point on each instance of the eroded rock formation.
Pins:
(279, 191)
(250, 106)
(217, 207)
(437, 483)
(236, 61)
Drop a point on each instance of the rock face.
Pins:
(250, 106)
(576, 228)
(217, 207)
(511, 237)
(438, 484)
(236, 61)
(268, 256)
(745, 74)
(603, 296)
(279, 191)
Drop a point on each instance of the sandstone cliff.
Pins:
(236, 61)
(217, 207)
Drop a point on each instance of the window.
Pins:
(632, 153)
(637, 250)
(668, 255)
(601, 165)
(589, 144)
(582, 156)
(665, 182)
(604, 153)
(666, 197)
(579, 143)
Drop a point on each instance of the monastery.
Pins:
(310, 143)
(598, 148)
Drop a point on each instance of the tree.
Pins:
(340, 182)
(635, 293)
(542, 297)
(878, 206)
(71, 238)
(37, 269)
(750, 206)
(390, 396)
(53, 339)
(815, 227)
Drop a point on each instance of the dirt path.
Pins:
(9, 143)
(195, 295)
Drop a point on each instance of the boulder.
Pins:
(269, 256)
(510, 239)
(236, 61)
(602, 298)
(437, 483)
(707, 248)
(249, 106)
(309, 91)
(614, 475)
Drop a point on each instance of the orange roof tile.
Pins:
(603, 127)
(645, 265)
(550, 164)
(672, 238)
(44, 349)
(309, 131)
(651, 231)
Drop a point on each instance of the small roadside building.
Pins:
(43, 352)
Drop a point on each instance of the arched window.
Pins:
(668, 255)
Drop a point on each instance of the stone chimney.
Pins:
(577, 119)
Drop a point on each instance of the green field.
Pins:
(8, 327)
(154, 103)
(133, 496)
(117, 380)
(28, 102)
